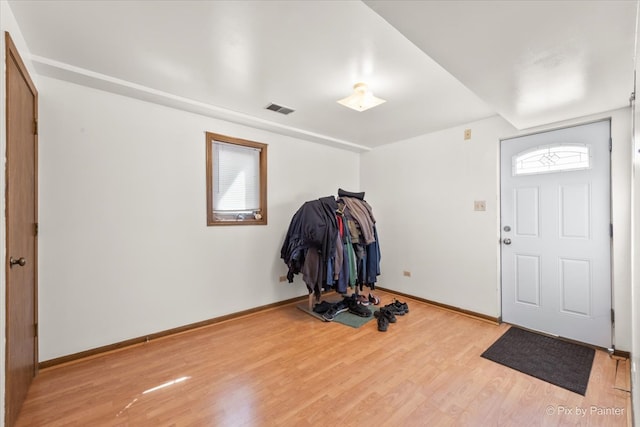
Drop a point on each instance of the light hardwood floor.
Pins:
(282, 367)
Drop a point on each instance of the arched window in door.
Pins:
(552, 158)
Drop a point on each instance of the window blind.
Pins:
(237, 180)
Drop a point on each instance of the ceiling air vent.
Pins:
(279, 109)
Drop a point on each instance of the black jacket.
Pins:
(314, 226)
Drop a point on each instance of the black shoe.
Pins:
(383, 322)
(342, 306)
(359, 310)
(394, 309)
(322, 307)
(401, 305)
(351, 299)
(336, 309)
(386, 313)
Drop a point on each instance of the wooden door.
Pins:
(21, 223)
(556, 247)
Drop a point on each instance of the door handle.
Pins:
(20, 261)
(506, 241)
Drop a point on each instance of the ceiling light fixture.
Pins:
(361, 99)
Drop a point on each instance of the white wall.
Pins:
(634, 157)
(7, 23)
(124, 246)
(424, 189)
(621, 216)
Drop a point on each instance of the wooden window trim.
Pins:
(211, 220)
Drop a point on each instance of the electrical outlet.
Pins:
(467, 134)
(406, 273)
(479, 205)
(282, 278)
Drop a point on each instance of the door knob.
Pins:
(507, 241)
(20, 261)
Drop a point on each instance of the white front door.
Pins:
(555, 232)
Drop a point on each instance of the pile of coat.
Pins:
(333, 243)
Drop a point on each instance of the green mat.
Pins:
(345, 318)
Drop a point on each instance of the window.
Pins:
(236, 181)
(552, 158)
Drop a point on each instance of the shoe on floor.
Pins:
(374, 299)
(394, 309)
(401, 305)
(359, 310)
(383, 323)
(322, 307)
(335, 309)
(386, 313)
(363, 300)
(348, 300)
(328, 315)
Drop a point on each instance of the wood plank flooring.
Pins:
(282, 367)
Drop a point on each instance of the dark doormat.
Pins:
(558, 362)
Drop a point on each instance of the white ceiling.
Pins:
(533, 62)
